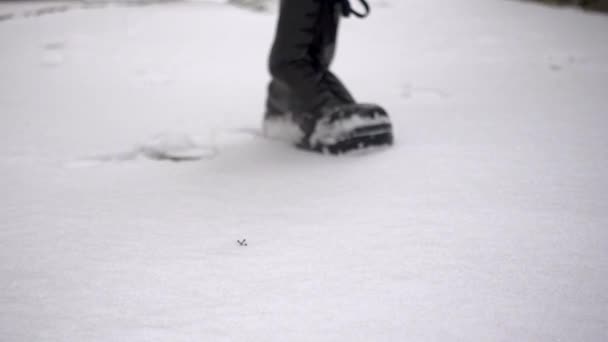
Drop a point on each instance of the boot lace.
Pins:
(347, 9)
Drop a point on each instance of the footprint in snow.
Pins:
(173, 147)
(177, 147)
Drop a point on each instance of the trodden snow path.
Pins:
(486, 222)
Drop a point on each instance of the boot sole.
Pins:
(361, 138)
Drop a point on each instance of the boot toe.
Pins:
(350, 127)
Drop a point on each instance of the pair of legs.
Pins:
(306, 102)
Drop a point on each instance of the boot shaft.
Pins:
(306, 30)
(301, 56)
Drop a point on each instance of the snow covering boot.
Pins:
(307, 104)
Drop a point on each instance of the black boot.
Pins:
(307, 104)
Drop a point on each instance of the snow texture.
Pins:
(282, 128)
(487, 221)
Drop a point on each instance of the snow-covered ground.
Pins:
(488, 221)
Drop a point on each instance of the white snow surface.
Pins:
(487, 221)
